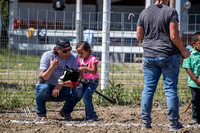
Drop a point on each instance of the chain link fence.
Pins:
(25, 37)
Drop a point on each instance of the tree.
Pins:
(3, 22)
(4, 8)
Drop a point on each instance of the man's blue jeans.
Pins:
(87, 98)
(44, 94)
(153, 67)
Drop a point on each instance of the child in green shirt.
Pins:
(192, 66)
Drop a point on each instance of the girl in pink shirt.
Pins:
(89, 75)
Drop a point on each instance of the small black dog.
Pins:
(69, 74)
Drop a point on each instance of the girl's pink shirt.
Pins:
(88, 63)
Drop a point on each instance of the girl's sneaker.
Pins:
(91, 118)
(193, 122)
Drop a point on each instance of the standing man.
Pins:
(52, 66)
(157, 27)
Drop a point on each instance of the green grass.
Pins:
(19, 75)
(15, 98)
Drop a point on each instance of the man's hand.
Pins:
(54, 63)
(186, 53)
(56, 90)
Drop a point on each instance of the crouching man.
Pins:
(52, 67)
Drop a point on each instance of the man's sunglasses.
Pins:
(66, 50)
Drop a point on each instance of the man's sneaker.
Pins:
(62, 113)
(146, 124)
(175, 125)
(193, 122)
(67, 116)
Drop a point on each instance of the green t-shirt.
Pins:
(193, 63)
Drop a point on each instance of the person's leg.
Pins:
(170, 69)
(195, 104)
(87, 98)
(41, 96)
(151, 77)
(72, 97)
(198, 104)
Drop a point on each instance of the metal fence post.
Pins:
(79, 29)
(148, 3)
(0, 26)
(105, 44)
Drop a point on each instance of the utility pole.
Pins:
(79, 25)
(105, 44)
(0, 27)
(148, 3)
(182, 14)
(172, 3)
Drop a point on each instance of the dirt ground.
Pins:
(112, 119)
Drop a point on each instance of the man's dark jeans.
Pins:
(195, 103)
